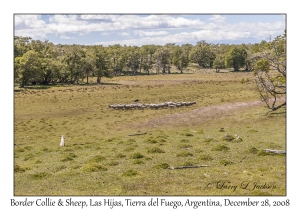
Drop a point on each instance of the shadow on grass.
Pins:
(44, 87)
(102, 83)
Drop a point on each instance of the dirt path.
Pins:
(200, 115)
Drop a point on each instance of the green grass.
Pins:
(100, 158)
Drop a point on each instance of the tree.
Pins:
(118, 58)
(28, 68)
(219, 63)
(147, 57)
(202, 54)
(236, 57)
(133, 59)
(180, 58)
(162, 60)
(270, 72)
(88, 62)
(74, 59)
(21, 45)
(101, 63)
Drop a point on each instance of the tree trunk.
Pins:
(98, 79)
(22, 84)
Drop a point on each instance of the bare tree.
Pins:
(270, 72)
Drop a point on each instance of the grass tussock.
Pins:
(205, 157)
(252, 150)
(93, 167)
(227, 137)
(20, 169)
(97, 159)
(138, 161)
(162, 166)
(225, 162)
(39, 175)
(209, 139)
(137, 155)
(155, 150)
(120, 155)
(220, 148)
(68, 157)
(29, 157)
(184, 154)
(130, 173)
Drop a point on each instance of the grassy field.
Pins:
(131, 152)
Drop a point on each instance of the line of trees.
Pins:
(42, 62)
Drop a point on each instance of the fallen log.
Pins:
(184, 167)
(137, 134)
(275, 151)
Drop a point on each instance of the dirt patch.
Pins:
(199, 115)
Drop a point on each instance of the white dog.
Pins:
(62, 141)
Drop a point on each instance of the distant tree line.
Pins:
(42, 62)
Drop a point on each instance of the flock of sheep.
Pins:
(151, 106)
